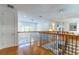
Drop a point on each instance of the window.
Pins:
(28, 26)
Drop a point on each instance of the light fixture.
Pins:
(61, 11)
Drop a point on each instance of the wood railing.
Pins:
(60, 43)
(69, 43)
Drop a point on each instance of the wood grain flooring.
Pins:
(8, 51)
(34, 51)
(26, 50)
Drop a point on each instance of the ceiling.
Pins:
(47, 12)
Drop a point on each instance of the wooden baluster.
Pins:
(40, 39)
(59, 39)
(65, 44)
(76, 45)
(60, 43)
(57, 43)
(72, 45)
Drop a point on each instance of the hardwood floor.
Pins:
(9, 51)
(33, 50)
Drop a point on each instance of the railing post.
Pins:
(76, 45)
(66, 37)
(72, 45)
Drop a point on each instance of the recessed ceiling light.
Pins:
(40, 16)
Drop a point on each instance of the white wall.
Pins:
(71, 20)
(8, 27)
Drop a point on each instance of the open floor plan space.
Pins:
(39, 29)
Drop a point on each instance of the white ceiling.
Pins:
(47, 12)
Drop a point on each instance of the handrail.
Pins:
(71, 41)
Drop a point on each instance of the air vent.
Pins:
(10, 6)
